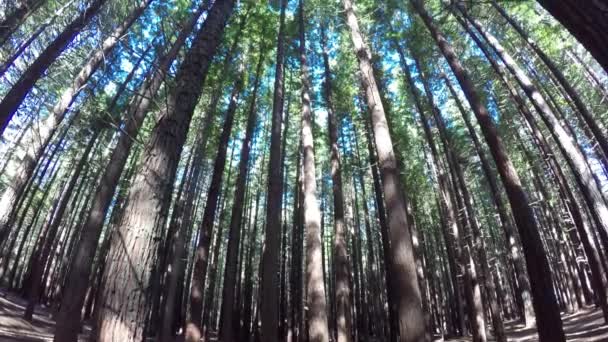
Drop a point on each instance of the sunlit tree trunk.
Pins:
(403, 265)
(315, 285)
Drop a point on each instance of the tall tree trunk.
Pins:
(588, 22)
(37, 141)
(42, 253)
(342, 266)
(12, 100)
(227, 319)
(315, 285)
(68, 319)
(545, 304)
(403, 265)
(269, 313)
(127, 271)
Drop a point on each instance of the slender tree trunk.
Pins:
(270, 256)
(68, 319)
(227, 320)
(202, 249)
(127, 271)
(510, 234)
(342, 266)
(315, 287)
(403, 265)
(543, 298)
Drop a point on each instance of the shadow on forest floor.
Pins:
(586, 325)
(14, 328)
(583, 326)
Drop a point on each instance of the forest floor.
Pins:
(586, 325)
(583, 326)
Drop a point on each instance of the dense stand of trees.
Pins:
(304, 170)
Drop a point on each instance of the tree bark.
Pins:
(127, 271)
(315, 286)
(342, 266)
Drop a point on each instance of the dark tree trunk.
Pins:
(587, 21)
(269, 313)
(202, 250)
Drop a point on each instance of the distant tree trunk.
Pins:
(315, 287)
(403, 265)
(42, 253)
(127, 271)
(270, 256)
(37, 141)
(342, 266)
(586, 21)
(202, 250)
(227, 319)
(511, 236)
(12, 100)
(545, 304)
(450, 229)
(68, 319)
(14, 19)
